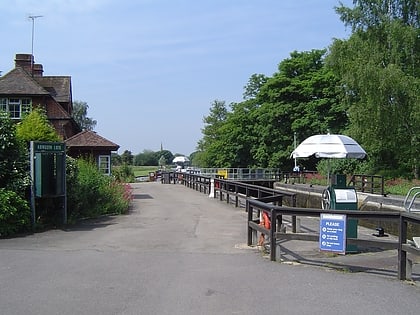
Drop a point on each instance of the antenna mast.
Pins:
(33, 17)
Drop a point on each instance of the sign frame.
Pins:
(332, 232)
(56, 153)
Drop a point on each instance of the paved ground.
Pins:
(179, 252)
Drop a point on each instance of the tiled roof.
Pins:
(19, 82)
(58, 86)
(90, 139)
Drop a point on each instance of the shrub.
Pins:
(15, 213)
(120, 196)
(124, 173)
(14, 163)
(91, 193)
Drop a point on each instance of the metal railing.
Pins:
(259, 199)
(243, 173)
(413, 193)
(276, 236)
(373, 184)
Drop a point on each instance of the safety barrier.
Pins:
(257, 199)
(276, 235)
(372, 184)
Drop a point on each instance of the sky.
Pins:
(150, 70)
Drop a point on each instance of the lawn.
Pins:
(144, 170)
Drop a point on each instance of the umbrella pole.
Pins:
(328, 173)
(294, 140)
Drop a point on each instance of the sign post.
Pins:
(48, 174)
(332, 232)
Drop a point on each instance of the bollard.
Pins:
(211, 195)
(409, 270)
(254, 237)
(279, 253)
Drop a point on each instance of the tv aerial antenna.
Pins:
(33, 18)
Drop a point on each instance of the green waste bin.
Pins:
(340, 197)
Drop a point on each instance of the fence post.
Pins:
(402, 254)
(273, 213)
(294, 221)
(250, 231)
(382, 186)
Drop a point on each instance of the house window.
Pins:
(3, 104)
(16, 107)
(105, 164)
(26, 106)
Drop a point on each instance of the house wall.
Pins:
(54, 112)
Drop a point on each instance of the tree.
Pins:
(127, 157)
(116, 159)
(146, 158)
(164, 157)
(379, 67)
(210, 145)
(79, 114)
(300, 98)
(258, 132)
(36, 127)
(255, 82)
(238, 136)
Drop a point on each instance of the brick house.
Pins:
(89, 144)
(25, 87)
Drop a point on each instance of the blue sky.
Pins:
(150, 69)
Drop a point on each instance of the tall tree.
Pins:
(210, 145)
(379, 66)
(147, 157)
(127, 157)
(79, 114)
(300, 98)
(36, 127)
(255, 82)
(238, 134)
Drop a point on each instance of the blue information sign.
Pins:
(332, 232)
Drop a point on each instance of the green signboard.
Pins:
(48, 172)
(49, 147)
(49, 161)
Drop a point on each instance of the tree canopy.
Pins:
(299, 98)
(366, 86)
(79, 114)
(379, 68)
(36, 127)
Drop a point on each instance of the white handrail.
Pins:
(415, 191)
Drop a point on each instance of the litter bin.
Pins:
(340, 197)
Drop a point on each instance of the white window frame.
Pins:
(3, 104)
(16, 107)
(104, 164)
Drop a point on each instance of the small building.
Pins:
(89, 144)
(26, 87)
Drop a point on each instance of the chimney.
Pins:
(37, 70)
(24, 61)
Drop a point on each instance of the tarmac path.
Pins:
(178, 252)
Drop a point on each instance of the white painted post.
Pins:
(211, 195)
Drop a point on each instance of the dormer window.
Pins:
(16, 107)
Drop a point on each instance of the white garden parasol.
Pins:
(329, 146)
(180, 159)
